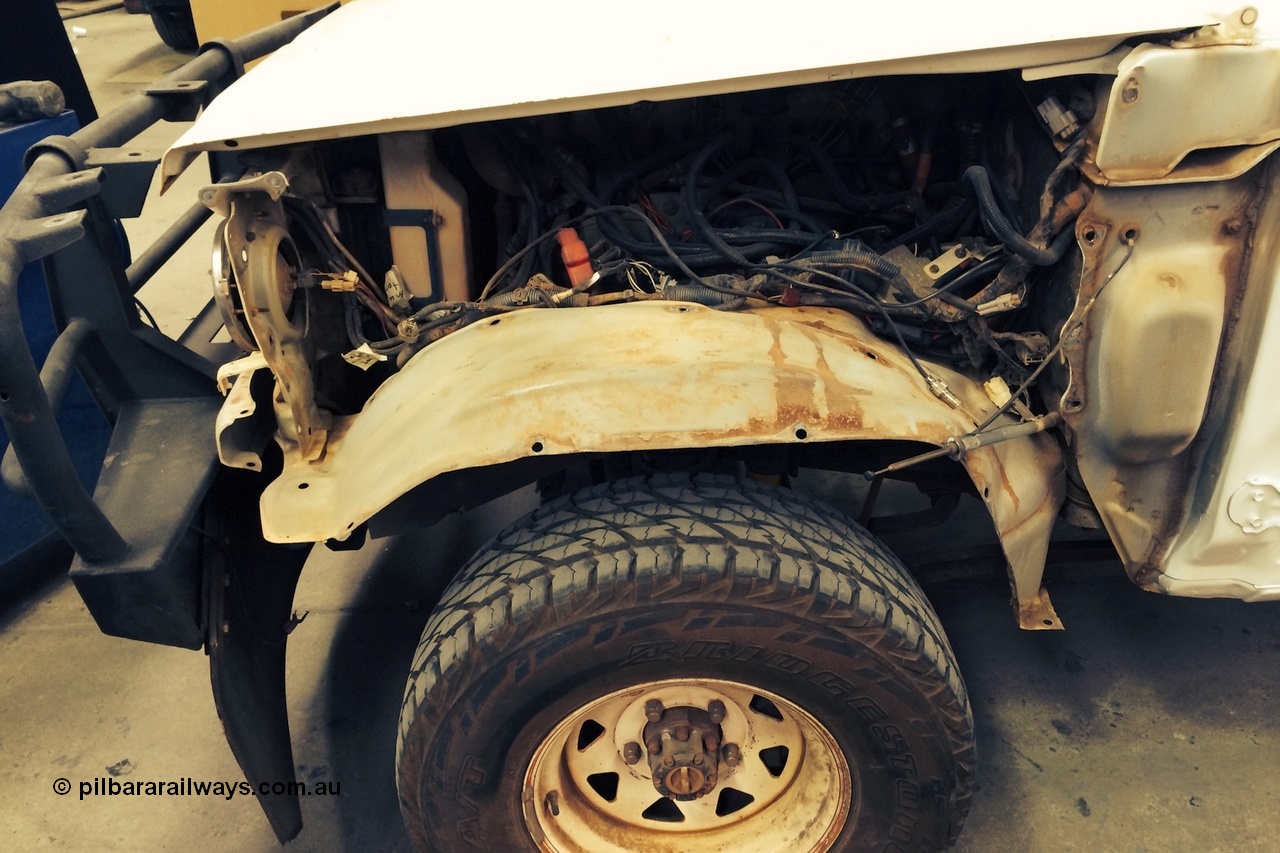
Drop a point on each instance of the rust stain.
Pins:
(1037, 613)
(1226, 220)
(775, 349)
(879, 357)
(1236, 236)
(1146, 575)
(1008, 487)
(1048, 505)
(983, 484)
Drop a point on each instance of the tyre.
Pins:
(676, 664)
(174, 23)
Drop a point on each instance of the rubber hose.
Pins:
(859, 259)
(976, 177)
(701, 295)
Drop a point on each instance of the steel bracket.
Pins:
(429, 223)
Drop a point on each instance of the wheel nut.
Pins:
(653, 710)
(731, 754)
(631, 752)
(715, 708)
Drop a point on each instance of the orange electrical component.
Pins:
(577, 260)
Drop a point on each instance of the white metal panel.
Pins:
(1220, 103)
(1230, 545)
(382, 65)
(652, 376)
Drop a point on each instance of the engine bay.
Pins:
(932, 207)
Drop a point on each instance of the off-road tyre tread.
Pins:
(675, 537)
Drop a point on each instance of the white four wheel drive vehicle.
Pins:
(664, 270)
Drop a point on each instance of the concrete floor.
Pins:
(1146, 726)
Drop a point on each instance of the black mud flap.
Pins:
(252, 583)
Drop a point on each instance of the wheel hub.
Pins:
(684, 748)
(682, 764)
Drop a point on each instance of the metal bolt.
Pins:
(653, 710)
(681, 733)
(731, 754)
(712, 743)
(1249, 16)
(668, 761)
(1255, 521)
(962, 252)
(697, 759)
(655, 746)
(717, 711)
(1129, 93)
(1258, 497)
(631, 752)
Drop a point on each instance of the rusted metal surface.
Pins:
(1192, 112)
(683, 743)
(1037, 614)
(265, 265)
(1163, 272)
(653, 376)
(802, 802)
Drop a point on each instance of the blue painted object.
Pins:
(22, 524)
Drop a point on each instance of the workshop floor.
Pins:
(1149, 725)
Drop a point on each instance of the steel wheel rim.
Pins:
(791, 790)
